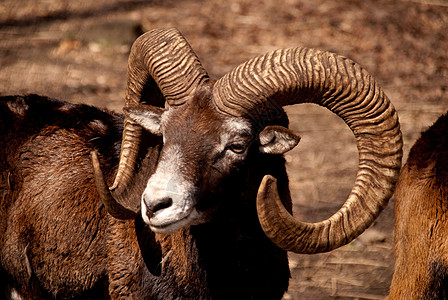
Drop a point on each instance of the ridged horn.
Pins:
(259, 87)
(162, 67)
(112, 206)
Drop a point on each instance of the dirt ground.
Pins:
(77, 51)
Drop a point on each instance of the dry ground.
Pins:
(77, 51)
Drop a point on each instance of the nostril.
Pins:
(162, 204)
(159, 205)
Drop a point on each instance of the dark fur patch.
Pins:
(438, 287)
(432, 147)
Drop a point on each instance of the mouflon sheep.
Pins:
(199, 205)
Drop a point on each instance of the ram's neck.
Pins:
(224, 262)
(240, 262)
(229, 257)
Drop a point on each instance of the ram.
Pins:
(199, 204)
(421, 212)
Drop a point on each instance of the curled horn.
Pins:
(162, 67)
(291, 76)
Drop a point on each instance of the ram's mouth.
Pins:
(172, 225)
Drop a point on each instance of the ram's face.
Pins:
(202, 148)
(204, 153)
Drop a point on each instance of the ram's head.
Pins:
(212, 129)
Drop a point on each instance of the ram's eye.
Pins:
(237, 148)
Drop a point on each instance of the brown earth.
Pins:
(77, 51)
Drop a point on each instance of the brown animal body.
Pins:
(58, 241)
(421, 209)
(194, 200)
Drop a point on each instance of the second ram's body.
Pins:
(421, 212)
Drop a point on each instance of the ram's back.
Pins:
(50, 214)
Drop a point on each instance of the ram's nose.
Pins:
(157, 205)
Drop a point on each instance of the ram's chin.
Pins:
(171, 225)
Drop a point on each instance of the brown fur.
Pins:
(58, 242)
(421, 209)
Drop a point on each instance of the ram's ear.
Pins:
(146, 116)
(277, 140)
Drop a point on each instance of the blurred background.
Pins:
(77, 51)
